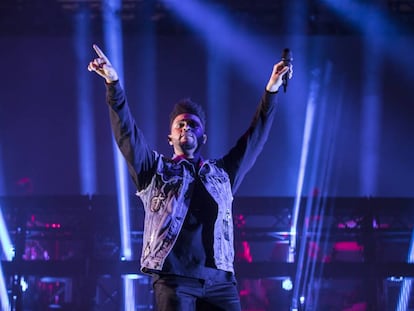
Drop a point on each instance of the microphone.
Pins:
(287, 59)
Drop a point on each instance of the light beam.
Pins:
(113, 40)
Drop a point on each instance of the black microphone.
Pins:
(287, 59)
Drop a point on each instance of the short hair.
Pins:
(186, 105)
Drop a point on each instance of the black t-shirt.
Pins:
(193, 254)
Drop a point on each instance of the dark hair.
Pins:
(186, 105)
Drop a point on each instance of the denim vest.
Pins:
(166, 201)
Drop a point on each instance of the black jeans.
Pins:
(176, 293)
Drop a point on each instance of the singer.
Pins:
(188, 227)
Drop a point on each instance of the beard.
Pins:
(191, 142)
(188, 141)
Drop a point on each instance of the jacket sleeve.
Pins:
(239, 160)
(139, 157)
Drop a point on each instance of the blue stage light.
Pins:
(86, 122)
(8, 252)
(113, 40)
(287, 284)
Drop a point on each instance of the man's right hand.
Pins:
(102, 66)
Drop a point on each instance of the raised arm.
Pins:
(243, 155)
(129, 138)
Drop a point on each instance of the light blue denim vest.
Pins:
(166, 201)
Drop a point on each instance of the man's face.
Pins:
(187, 135)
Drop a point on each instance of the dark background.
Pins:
(41, 70)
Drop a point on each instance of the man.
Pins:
(188, 233)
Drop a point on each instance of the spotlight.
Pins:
(287, 284)
(134, 276)
(395, 279)
(24, 285)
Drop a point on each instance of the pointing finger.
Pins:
(100, 53)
